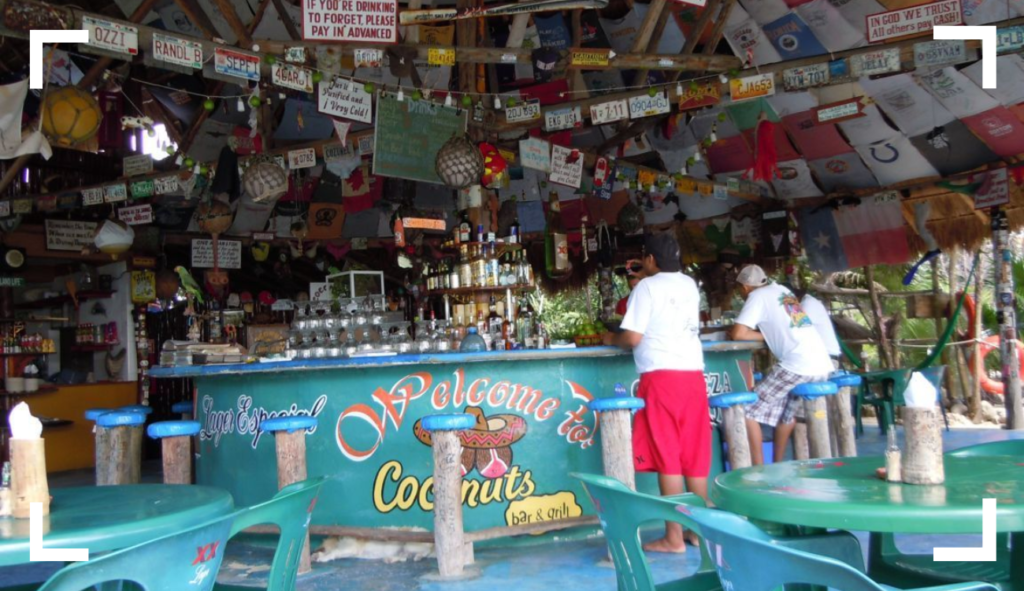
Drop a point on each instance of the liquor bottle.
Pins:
(494, 319)
(480, 233)
(542, 336)
(465, 268)
(556, 243)
(493, 267)
(479, 267)
(465, 229)
(514, 229)
(454, 279)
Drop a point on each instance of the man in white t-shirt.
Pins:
(773, 314)
(822, 322)
(672, 433)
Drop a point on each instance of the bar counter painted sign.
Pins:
(913, 20)
(533, 428)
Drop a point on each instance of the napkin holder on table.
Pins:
(28, 463)
(922, 461)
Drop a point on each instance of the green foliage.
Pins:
(563, 313)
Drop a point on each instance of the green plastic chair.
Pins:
(186, 560)
(887, 564)
(291, 510)
(748, 559)
(622, 512)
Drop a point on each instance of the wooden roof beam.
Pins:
(198, 18)
(237, 26)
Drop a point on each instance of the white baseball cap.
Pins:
(753, 276)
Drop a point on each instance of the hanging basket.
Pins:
(459, 163)
(265, 181)
(630, 219)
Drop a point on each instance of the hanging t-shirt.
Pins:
(822, 322)
(665, 309)
(787, 329)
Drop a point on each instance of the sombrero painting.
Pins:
(488, 445)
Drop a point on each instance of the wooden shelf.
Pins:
(60, 300)
(36, 354)
(93, 347)
(472, 290)
(32, 319)
(502, 247)
(40, 390)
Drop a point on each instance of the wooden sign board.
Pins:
(69, 235)
(839, 111)
(408, 130)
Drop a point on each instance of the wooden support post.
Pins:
(102, 435)
(449, 536)
(291, 468)
(885, 354)
(177, 459)
(801, 446)
(1005, 301)
(816, 417)
(974, 402)
(28, 476)
(841, 423)
(121, 465)
(617, 446)
(735, 421)
(922, 461)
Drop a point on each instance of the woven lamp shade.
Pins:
(214, 217)
(459, 163)
(265, 181)
(70, 116)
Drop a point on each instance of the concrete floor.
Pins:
(566, 565)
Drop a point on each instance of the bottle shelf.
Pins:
(60, 300)
(34, 354)
(472, 290)
(502, 247)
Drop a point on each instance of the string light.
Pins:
(497, 103)
(679, 89)
(448, 100)
(697, 156)
(401, 95)
(723, 78)
(240, 105)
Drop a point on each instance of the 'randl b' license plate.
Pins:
(112, 36)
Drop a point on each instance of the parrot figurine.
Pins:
(189, 285)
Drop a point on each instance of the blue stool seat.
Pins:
(121, 418)
(459, 422)
(289, 424)
(141, 408)
(181, 407)
(616, 403)
(173, 429)
(845, 380)
(93, 413)
(812, 390)
(731, 399)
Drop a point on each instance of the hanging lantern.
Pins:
(495, 167)
(214, 217)
(265, 181)
(459, 163)
(70, 116)
(114, 237)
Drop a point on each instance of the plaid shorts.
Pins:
(774, 404)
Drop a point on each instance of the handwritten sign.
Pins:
(752, 87)
(364, 21)
(115, 193)
(69, 235)
(700, 96)
(294, 77)
(345, 99)
(408, 131)
(181, 52)
(165, 185)
(589, 58)
(648, 106)
(111, 36)
(136, 165)
(872, 63)
(440, 56)
(839, 111)
(229, 254)
(805, 77)
(93, 196)
(565, 118)
(535, 153)
(994, 193)
(236, 64)
(939, 53)
(136, 215)
(528, 111)
(913, 20)
(368, 58)
(304, 158)
(609, 112)
(565, 170)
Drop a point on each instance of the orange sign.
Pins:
(702, 95)
(424, 224)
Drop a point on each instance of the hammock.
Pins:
(940, 345)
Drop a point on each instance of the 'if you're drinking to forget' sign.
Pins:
(366, 21)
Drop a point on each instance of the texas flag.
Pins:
(855, 236)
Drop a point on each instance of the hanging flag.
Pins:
(13, 142)
(775, 234)
(843, 171)
(829, 26)
(794, 180)
(792, 38)
(814, 141)
(820, 237)
(1000, 130)
(855, 236)
(909, 105)
(896, 160)
(957, 92)
(952, 148)
(747, 35)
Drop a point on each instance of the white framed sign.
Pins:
(564, 170)
(69, 235)
(535, 153)
(136, 165)
(229, 254)
(345, 99)
(136, 215)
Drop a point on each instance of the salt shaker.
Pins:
(892, 457)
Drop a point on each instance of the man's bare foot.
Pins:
(664, 545)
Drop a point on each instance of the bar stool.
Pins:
(123, 462)
(453, 553)
(758, 377)
(844, 442)
(146, 410)
(617, 436)
(735, 423)
(101, 437)
(816, 416)
(290, 442)
(183, 408)
(176, 444)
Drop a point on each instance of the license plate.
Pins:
(876, 62)
(178, 51)
(239, 65)
(805, 77)
(939, 53)
(112, 36)
(528, 111)
(1011, 39)
(560, 119)
(609, 112)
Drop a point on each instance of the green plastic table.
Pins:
(845, 493)
(105, 518)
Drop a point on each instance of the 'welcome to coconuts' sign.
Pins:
(366, 21)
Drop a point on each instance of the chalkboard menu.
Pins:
(409, 134)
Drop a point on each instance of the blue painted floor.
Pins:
(564, 566)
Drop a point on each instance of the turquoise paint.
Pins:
(365, 436)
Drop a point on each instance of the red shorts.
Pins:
(672, 433)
